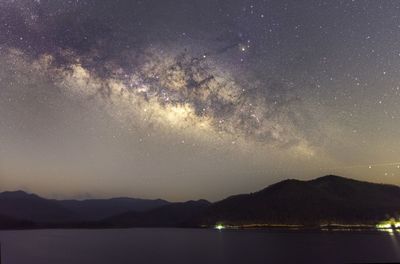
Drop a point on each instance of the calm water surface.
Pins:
(185, 246)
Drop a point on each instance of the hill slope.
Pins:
(31, 207)
(98, 209)
(328, 199)
(21, 205)
(325, 200)
(172, 215)
(11, 223)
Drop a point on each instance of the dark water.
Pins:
(195, 246)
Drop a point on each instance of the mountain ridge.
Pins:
(329, 199)
(22, 205)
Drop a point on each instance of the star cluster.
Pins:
(196, 92)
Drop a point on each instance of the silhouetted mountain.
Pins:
(172, 215)
(21, 205)
(11, 223)
(325, 200)
(97, 209)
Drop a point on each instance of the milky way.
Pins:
(195, 98)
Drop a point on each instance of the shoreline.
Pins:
(327, 228)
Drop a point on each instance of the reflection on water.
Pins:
(395, 236)
(160, 245)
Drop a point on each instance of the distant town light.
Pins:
(389, 224)
(219, 227)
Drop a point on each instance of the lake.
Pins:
(169, 245)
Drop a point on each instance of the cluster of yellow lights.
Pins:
(389, 225)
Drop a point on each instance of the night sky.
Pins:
(189, 99)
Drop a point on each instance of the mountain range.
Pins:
(323, 201)
(31, 207)
(328, 200)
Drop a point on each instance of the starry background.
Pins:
(196, 99)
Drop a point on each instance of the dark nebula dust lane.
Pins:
(189, 99)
